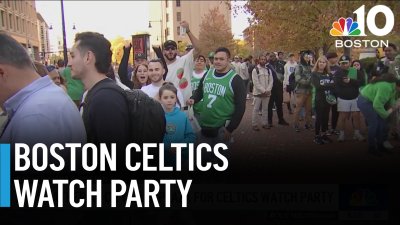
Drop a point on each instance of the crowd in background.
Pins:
(204, 96)
(328, 87)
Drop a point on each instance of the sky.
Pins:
(111, 18)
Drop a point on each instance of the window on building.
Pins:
(178, 3)
(34, 30)
(167, 17)
(178, 16)
(41, 31)
(166, 3)
(167, 31)
(23, 25)
(178, 30)
(15, 5)
(17, 23)
(2, 19)
(9, 3)
(10, 19)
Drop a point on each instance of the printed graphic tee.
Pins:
(180, 72)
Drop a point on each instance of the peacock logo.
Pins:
(345, 27)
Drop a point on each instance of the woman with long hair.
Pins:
(323, 84)
(140, 77)
(358, 66)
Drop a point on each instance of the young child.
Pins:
(179, 129)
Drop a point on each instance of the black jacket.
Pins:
(347, 91)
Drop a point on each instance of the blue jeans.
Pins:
(377, 126)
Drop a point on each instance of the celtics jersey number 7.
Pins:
(218, 99)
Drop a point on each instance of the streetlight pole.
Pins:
(64, 35)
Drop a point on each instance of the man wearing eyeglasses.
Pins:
(180, 68)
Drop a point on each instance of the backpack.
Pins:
(147, 122)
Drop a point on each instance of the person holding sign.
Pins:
(348, 81)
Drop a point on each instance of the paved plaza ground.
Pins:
(287, 156)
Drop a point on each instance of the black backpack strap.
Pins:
(95, 89)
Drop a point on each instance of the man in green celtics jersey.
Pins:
(199, 71)
(224, 100)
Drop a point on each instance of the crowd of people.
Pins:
(204, 99)
(96, 111)
(330, 87)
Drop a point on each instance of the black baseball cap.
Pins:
(344, 58)
(170, 43)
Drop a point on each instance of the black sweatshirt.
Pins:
(274, 68)
(239, 99)
(123, 68)
(347, 91)
(323, 84)
(105, 115)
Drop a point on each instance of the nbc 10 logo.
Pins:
(347, 27)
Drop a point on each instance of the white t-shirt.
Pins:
(199, 75)
(244, 71)
(152, 91)
(236, 67)
(180, 72)
(119, 83)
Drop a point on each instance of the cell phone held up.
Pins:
(182, 31)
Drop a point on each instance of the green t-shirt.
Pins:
(218, 99)
(380, 94)
(75, 88)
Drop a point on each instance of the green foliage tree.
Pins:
(296, 25)
(242, 48)
(215, 32)
(117, 45)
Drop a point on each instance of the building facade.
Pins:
(19, 19)
(167, 15)
(44, 42)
